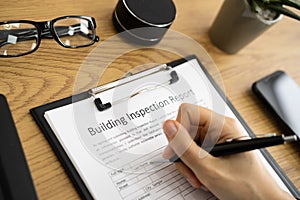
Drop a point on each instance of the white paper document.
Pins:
(111, 149)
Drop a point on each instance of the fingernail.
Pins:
(168, 153)
(170, 129)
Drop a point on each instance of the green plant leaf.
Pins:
(257, 6)
(277, 6)
(281, 10)
(292, 3)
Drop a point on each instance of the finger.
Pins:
(210, 125)
(189, 175)
(189, 115)
(168, 153)
(205, 121)
(184, 146)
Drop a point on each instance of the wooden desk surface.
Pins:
(49, 74)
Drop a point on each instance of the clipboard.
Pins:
(38, 115)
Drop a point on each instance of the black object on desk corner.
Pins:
(15, 178)
(144, 22)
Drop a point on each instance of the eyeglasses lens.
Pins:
(74, 32)
(17, 38)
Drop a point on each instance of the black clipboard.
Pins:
(38, 115)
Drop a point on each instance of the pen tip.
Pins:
(158, 162)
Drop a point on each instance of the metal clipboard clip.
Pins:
(130, 78)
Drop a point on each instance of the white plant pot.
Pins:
(236, 26)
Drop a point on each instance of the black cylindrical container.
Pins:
(145, 21)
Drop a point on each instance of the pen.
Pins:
(238, 146)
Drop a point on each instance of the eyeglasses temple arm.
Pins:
(21, 34)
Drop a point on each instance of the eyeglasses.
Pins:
(22, 37)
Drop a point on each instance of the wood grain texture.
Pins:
(50, 73)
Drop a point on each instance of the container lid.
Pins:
(152, 12)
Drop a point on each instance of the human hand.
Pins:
(239, 176)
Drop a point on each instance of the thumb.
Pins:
(184, 146)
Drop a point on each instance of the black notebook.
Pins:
(15, 178)
(105, 137)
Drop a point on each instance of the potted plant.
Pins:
(241, 21)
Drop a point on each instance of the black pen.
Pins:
(239, 146)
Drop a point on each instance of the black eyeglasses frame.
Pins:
(48, 25)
